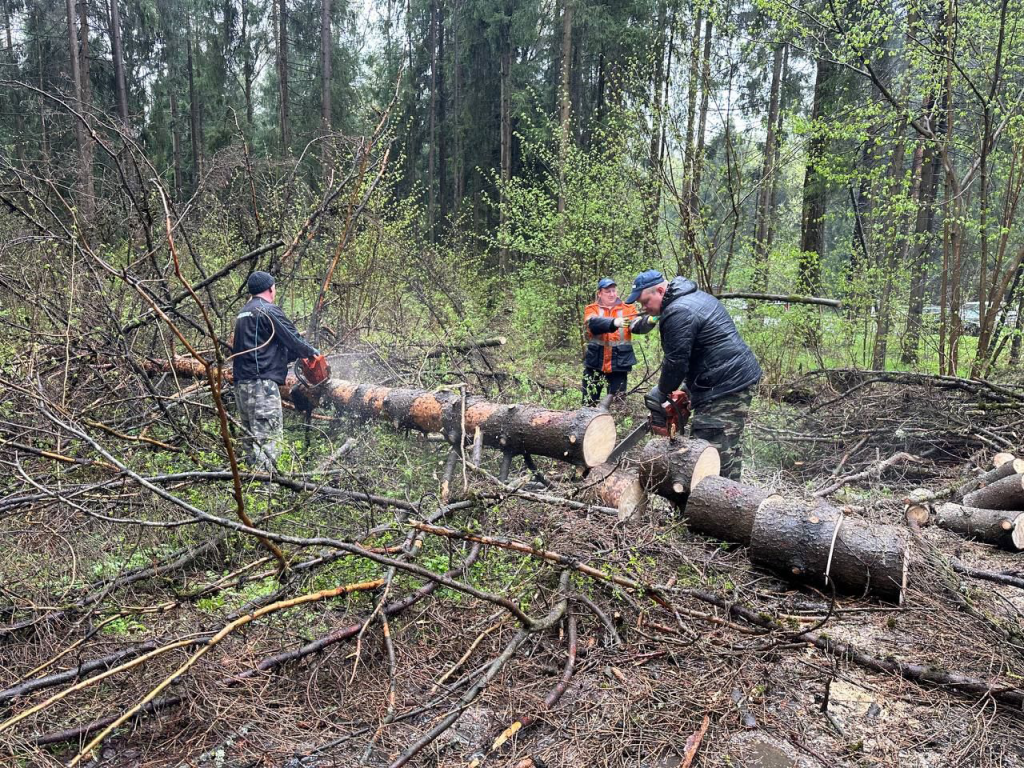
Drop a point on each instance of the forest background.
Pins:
(477, 164)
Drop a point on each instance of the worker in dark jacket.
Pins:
(703, 354)
(608, 325)
(265, 343)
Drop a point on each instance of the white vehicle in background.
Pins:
(970, 317)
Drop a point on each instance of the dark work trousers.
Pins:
(594, 381)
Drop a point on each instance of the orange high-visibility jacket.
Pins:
(612, 351)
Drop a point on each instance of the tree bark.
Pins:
(702, 121)
(724, 509)
(689, 243)
(86, 192)
(505, 98)
(15, 106)
(179, 181)
(764, 197)
(193, 115)
(1007, 493)
(432, 127)
(117, 52)
(564, 100)
(673, 468)
(924, 228)
(653, 202)
(248, 73)
(812, 222)
(773, 201)
(992, 526)
(284, 121)
(800, 541)
(442, 120)
(325, 86)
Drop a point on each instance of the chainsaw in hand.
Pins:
(312, 371)
(677, 413)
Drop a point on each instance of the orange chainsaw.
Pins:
(312, 371)
(677, 413)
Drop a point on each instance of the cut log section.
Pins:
(613, 486)
(1001, 458)
(917, 514)
(584, 437)
(1007, 493)
(723, 508)
(1005, 469)
(992, 526)
(673, 468)
(805, 541)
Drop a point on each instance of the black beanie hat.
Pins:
(259, 282)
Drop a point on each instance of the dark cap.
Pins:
(259, 282)
(605, 282)
(644, 280)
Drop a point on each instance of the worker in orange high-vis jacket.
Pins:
(608, 326)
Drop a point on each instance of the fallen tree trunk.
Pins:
(785, 298)
(816, 543)
(613, 486)
(673, 468)
(584, 437)
(723, 508)
(496, 341)
(1007, 493)
(992, 526)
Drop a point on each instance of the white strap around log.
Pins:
(832, 546)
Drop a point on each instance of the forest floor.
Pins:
(642, 679)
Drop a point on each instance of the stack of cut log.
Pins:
(804, 541)
(989, 508)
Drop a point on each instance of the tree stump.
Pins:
(992, 526)
(800, 541)
(723, 508)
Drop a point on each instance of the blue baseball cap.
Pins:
(644, 280)
(605, 282)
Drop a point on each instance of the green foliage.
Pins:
(123, 626)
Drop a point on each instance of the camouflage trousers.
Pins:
(259, 409)
(721, 423)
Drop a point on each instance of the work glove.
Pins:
(316, 352)
(642, 323)
(653, 401)
(617, 322)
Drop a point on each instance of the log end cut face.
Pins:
(598, 440)
(1017, 535)
(708, 464)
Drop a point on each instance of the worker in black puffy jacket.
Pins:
(703, 354)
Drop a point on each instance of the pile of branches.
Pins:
(918, 427)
